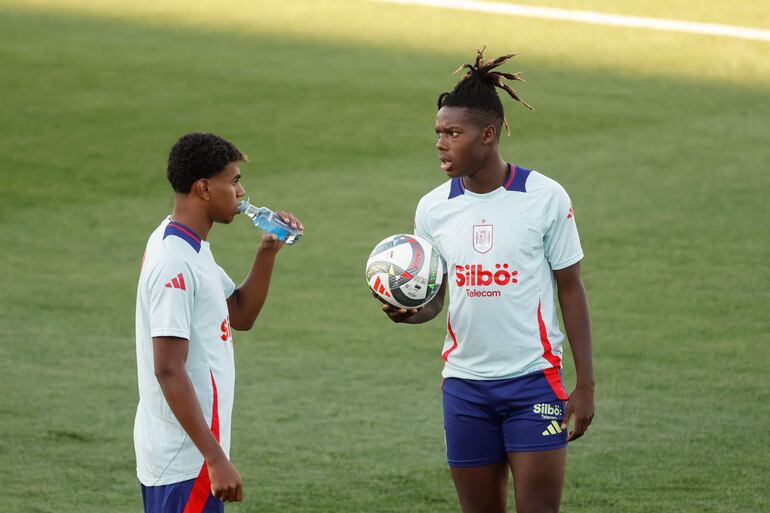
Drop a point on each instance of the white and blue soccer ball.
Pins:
(405, 271)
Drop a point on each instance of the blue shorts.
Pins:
(485, 420)
(181, 498)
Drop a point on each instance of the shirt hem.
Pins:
(568, 262)
(162, 332)
(456, 373)
(167, 480)
(558, 443)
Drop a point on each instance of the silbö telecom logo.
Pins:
(475, 275)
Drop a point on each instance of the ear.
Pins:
(489, 135)
(202, 188)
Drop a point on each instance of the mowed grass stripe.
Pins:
(595, 18)
(379, 27)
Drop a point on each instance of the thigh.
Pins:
(482, 489)
(475, 448)
(473, 434)
(538, 479)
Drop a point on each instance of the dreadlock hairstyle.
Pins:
(476, 90)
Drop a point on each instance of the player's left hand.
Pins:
(581, 407)
(270, 241)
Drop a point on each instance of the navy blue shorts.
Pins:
(485, 420)
(184, 497)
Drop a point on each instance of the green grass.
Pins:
(661, 140)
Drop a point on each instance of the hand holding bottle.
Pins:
(283, 226)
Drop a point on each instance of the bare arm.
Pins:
(170, 355)
(248, 299)
(574, 308)
(418, 315)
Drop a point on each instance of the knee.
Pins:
(538, 508)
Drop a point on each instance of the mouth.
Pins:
(446, 164)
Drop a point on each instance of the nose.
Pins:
(441, 143)
(241, 192)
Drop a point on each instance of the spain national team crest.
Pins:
(482, 237)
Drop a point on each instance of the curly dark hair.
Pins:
(476, 90)
(195, 156)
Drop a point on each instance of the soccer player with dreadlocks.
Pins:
(509, 239)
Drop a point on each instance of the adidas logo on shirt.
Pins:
(176, 283)
(553, 429)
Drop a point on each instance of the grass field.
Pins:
(661, 140)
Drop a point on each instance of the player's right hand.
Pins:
(226, 484)
(395, 314)
(398, 314)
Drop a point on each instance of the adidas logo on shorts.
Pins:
(554, 428)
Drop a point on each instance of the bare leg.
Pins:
(538, 479)
(482, 489)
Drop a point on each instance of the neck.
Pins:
(194, 218)
(488, 177)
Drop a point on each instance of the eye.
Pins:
(453, 134)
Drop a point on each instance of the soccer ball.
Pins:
(405, 271)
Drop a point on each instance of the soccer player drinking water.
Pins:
(186, 307)
(510, 242)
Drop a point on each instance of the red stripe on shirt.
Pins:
(547, 351)
(215, 410)
(188, 232)
(552, 374)
(554, 379)
(510, 178)
(454, 339)
(201, 489)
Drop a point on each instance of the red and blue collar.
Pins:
(184, 233)
(516, 180)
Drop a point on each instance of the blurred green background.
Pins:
(660, 138)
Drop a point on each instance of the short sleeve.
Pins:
(172, 292)
(421, 225)
(561, 240)
(227, 284)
